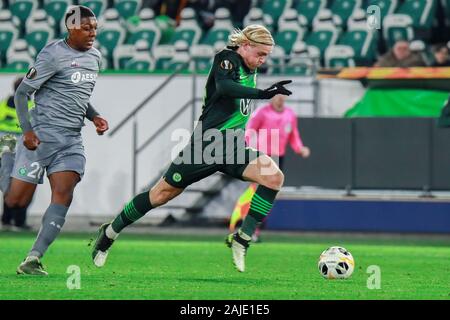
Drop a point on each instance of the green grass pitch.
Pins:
(199, 267)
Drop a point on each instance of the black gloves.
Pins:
(276, 88)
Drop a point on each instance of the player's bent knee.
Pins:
(274, 181)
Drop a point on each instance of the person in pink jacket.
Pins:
(269, 130)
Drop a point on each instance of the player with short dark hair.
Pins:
(219, 136)
(63, 78)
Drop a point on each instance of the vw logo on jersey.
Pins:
(245, 106)
(76, 77)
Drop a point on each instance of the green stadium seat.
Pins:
(201, 57)
(309, 9)
(122, 54)
(39, 30)
(188, 30)
(386, 6)
(56, 9)
(162, 55)
(146, 29)
(8, 31)
(257, 16)
(221, 29)
(397, 27)
(326, 18)
(275, 8)
(111, 33)
(322, 37)
(141, 59)
(422, 12)
(97, 6)
(127, 8)
(22, 9)
(276, 61)
(181, 57)
(289, 30)
(339, 56)
(303, 60)
(344, 8)
(363, 41)
(19, 56)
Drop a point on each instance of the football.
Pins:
(336, 263)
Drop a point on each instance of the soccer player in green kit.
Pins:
(217, 144)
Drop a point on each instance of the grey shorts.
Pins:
(61, 149)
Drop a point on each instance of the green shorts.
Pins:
(198, 161)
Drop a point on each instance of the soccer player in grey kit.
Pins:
(63, 78)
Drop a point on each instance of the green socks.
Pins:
(260, 207)
(133, 210)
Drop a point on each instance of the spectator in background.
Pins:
(273, 116)
(13, 219)
(400, 56)
(440, 55)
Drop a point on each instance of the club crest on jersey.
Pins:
(31, 73)
(226, 64)
(74, 64)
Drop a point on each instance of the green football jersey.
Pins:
(229, 89)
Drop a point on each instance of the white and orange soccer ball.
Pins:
(336, 263)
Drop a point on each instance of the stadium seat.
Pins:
(322, 37)
(188, 30)
(127, 8)
(275, 8)
(111, 33)
(56, 9)
(141, 60)
(303, 59)
(257, 16)
(420, 48)
(145, 30)
(162, 55)
(122, 54)
(357, 19)
(8, 31)
(19, 56)
(180, 59)
(363, 41)
(326, 17)
(308, 9)
(39, 30)
(22, 9)
(276, 61)
(289, 30)
(422, 12)
(97, 6)
(386, 6)
(397, 27)
(201, 57)
(345, 8)
(339, 56)
(221, 29)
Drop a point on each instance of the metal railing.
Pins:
(132, 116)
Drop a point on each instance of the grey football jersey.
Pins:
(64, 79)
